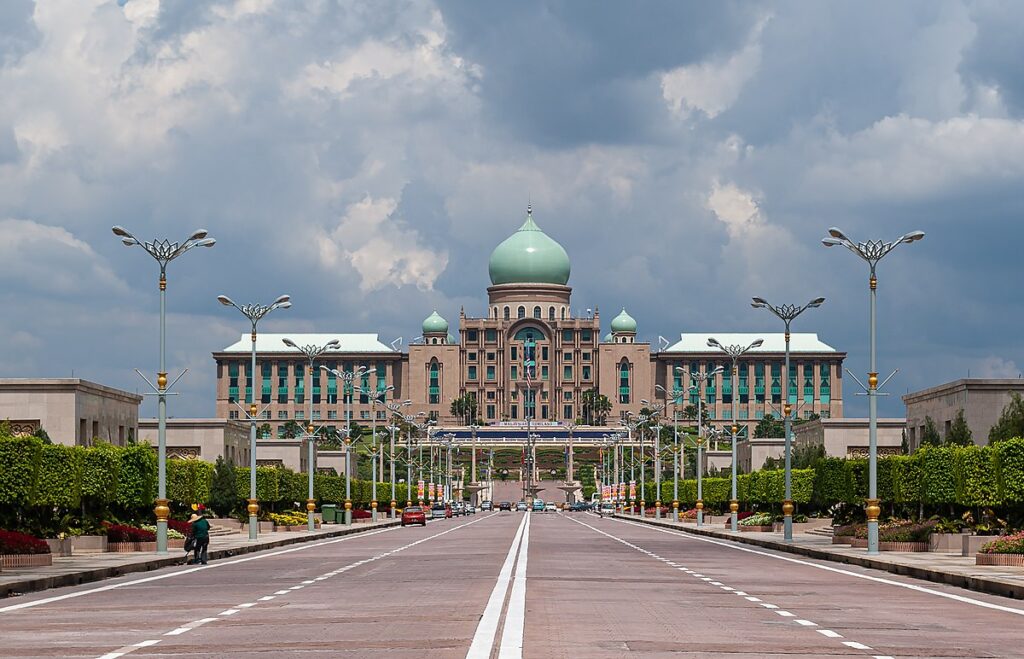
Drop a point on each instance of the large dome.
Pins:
(435, 324)
(529, 256)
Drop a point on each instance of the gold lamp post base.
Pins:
(310, 505)
(253, 508)
(787, 508)
(872, 509)
(162, 510)
(700, 505)
(734, 506)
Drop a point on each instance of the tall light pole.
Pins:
(787, 313)
(375, 396)
(656, 410)
(311, 352)
(163, 251)
(348, 379)
(700, 378)
(677, 395)
(734, 352)
(871, 251)
(255, 313)
(396, 411)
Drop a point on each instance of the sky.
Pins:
(365, 158)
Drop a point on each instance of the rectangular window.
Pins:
(808, 383)
(266, 371)
(300, 383)
(364, 414)
(332, 385)
(586, 335)
(491, 336)
(727, 413)
(490, 356)
(759, 384)
(567, 395)
(776, 383)
(515, 373)
(567, 412)
(744, 385)
(332, 415)
(543, 411)
(514, 412)
(315, 375)
(543, 372)
(544, 353)
(791, 384)
(472, 335)
(567, 336)
(567, 373)
(300, 415)
(471, 356)
(515, 353)
(282, 382)
(586, 372)
(282, 415)
(248, 384)
(490, 395)
(471, 373)
(825, 387)
(727, 388)
(567, 357)
(490, 411)
(316, 415)
(490, 372)
(586, 356)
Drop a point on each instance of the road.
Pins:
(510, 585)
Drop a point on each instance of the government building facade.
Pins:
(528, 357)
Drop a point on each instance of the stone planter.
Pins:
(1006, 560)
(122, 547)
(227, 523)
(803, 527)
(88, 544)
(8, 561)
(59, 547)
(859, 543)
(903, 546)
(843, 539)
(760, 529)
(972, 544)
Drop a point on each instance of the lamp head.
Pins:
(713, 343)
(831, 242)
(816, 302)
(128, 242)
(333, 344)
(912, 236)
(290, 343)
(225, 300)
(837, 233)
(283, 299)
(207, 242)
(120, 232)
(282, 305)
(199, 234)
(757, 343)
(759, 302)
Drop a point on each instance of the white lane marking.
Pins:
(829, 633)
(883, 656)
(112, 655)
(146, 644)
(727, 588)
(219, 564)
(716, 583)
(483, 639)
(299, 587)
(856, 646)
(786, 614)
(266, 598)
(179, 630)
(246, 605)
(739, 592)
(281, 592)
(308, 582)
(836, 570)
(769, 606)
(806, 623)
(752, 599)
(229, 612)
(515, 617)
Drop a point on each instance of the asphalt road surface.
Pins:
(511, 585)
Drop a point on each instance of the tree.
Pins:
(1011, 421)
(41, 434)
(265, 431)
(769, 426)
(930, 436)
(596, 407)
(223, 498)
(959, 432)
(291, 429)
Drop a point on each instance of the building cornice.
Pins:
(966, 384)
(66, 385)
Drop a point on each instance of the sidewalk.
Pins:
(73, 570)
(952, 569)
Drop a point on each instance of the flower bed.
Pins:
(120, 534)
(906, 532)
(23, 550)
(757, 522)
(1006, 560)
(1004, 550)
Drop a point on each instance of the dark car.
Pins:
(440, 511)
(505, 505)
(414, 515)
(486, 506)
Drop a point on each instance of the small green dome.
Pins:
(529, 256)
(435, 324)
(607, 338)
(624, 323)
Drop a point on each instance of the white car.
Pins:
(550, 507)
(607, 508)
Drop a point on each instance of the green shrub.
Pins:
(19, 464)
(886, 465)
(266, 484)
(59, 478)
(189, 481)
(858, 469)
(1010, 470)
(803, 485)
(832, 482)
(100, 465)
(975, 476)
(137, 477)
(938, 484)
(906, 479)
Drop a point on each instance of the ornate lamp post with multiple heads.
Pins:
(396, 411)
(163, 251)
(377, 397)
(787, 313)
(655, 415)
(872, 251)
(255, 313)
(677, 449)
(700, 378)
(348, 379)
(734, 352)
(311, 352)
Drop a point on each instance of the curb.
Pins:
(35, 584)
(970, 582)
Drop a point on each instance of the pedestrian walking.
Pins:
(200, 537)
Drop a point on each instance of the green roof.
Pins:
(623, 323)
(435, 324)
(529, 256)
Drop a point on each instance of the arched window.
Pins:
(522, 312)
(507, 314)
(551, 313)
(624, 382)
(435, 341)
(563, 313)
(434, 384)
(536, 312)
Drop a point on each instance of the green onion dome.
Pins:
(435, 324)
(624, 323)
(529, 256)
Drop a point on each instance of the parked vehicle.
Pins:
(538, 505)
(414, 515)
(440, 511)
(521, 507)
(486, 506)
(607, 508)
(505, 505)
(579, 507)
(458, 509)
(470, 509)
(550, 507)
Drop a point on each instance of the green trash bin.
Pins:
(329, 511)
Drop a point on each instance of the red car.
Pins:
(414, 515)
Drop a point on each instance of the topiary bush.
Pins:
(1010, 470)
(59, 478)
(19, 466)
(975, 476)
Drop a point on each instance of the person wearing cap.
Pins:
(201, 535)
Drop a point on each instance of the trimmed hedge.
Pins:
(59, 479)
(19, 466)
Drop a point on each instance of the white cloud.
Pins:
(996, 367)
(381, 248)
(712, 86)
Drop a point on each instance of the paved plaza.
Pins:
(513, 584)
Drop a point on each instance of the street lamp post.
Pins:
(734, 352)
(701, 377)
(396, 411)
(311, 352)
(787, 313)
(348, 379)
(377, 397)
(163, 251)
(656, 410)
(871, 251)
(255, 313)
(677, 395)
